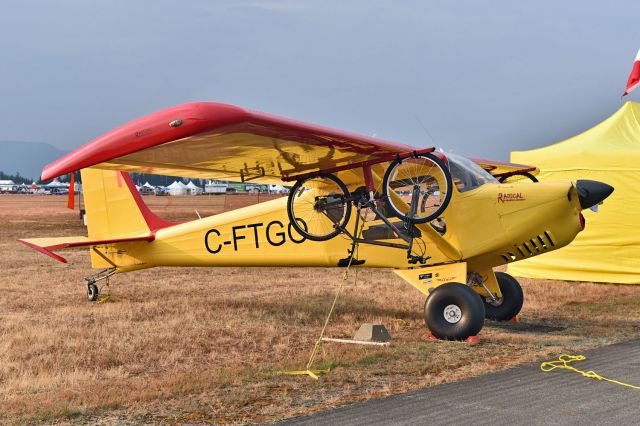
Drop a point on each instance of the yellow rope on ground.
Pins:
(316, 347)
(563, 362)
(110, 298)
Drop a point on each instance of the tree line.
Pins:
(138, 178)
(16, 178)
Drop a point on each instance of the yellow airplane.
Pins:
(441, 221)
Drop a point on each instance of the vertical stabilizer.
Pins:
(114, 207)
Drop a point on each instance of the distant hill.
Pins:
(27, 158)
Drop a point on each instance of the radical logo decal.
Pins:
(503, 198)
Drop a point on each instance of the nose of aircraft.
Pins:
(592, 192)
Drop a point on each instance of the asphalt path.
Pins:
(522, 395)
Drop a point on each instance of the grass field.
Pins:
(205, 345)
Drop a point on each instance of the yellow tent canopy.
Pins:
(608, 250)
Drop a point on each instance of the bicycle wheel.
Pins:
(319, 207)
(418, 189)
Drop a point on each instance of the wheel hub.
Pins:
(452, 314)
(494, 302)
(320, 205)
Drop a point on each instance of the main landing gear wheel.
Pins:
(509, 305)
(92, 292)
(319, 207)
(418, 189)
(454, 311)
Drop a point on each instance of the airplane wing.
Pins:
(499, 169)
(220, 141)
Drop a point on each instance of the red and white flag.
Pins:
(634, 77)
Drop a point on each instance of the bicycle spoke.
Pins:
(321, 203)
(422, 174)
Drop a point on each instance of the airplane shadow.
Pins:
(315, 308)
(524, 327)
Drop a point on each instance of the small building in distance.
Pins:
(147, 189)
(216, 187)
(7, 186)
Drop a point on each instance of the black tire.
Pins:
(295, 221)
(445, 201)
(511, 302)
(92, 292)
(461, 305)
(531, 177)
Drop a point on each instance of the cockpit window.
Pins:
(466, 174)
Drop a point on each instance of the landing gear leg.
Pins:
(93, 292)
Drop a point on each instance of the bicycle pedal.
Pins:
(414, 260)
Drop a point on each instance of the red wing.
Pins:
(220, 141)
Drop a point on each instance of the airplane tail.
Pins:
(114, 208)
(115, 214)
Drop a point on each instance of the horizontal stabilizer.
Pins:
(48, 245)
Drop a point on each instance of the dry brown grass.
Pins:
(204, 345)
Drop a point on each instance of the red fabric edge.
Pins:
(48, 250)
(44, 251)
(153, 222)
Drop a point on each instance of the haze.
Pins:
(482, 78)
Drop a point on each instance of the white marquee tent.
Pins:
(177, 188)
(193, 188)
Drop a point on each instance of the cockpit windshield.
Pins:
(466, 174)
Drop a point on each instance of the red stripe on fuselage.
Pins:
(153, 222)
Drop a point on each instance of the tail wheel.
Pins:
(92, 292)
(510, 304)
(454, 311)
(319, 207)
(418, 189)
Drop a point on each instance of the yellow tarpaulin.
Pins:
(608, 250)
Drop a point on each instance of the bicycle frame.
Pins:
(366, 167)
(361, 201)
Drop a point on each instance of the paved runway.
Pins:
(522, 395)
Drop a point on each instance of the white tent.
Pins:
(56, 187)
(277, 189)
(193, 189)
(148, 185)
(177, 188)
(56, 184)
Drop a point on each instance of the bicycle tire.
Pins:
(445, 200)
(295, 220)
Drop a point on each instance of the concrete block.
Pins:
(372, 333)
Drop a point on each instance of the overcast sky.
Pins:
(484, 78)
